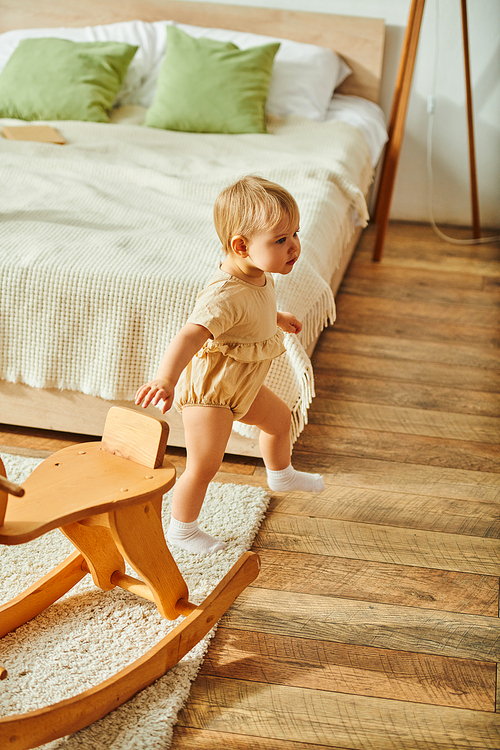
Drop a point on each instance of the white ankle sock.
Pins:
(191, 538)
(289, 479)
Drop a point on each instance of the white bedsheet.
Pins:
(367, 116)
(106, 242)
(364, 115)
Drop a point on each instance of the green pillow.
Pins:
(55, 79)
(206, 86)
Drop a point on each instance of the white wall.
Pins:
(450, 150)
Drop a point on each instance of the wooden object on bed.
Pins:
(360, 41)
(113, 505)
(40, 133)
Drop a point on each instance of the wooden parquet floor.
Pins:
(374, 622)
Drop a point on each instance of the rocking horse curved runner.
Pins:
(106, 498)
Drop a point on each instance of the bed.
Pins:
(106, 241)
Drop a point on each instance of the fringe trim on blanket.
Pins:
(319, 317)
(299, 412)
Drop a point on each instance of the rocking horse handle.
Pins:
(11, 487)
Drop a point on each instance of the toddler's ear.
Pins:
(239, 245)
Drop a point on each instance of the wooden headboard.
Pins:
(360, 41)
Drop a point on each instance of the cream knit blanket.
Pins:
(106, 242)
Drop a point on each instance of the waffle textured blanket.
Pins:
(106, 242)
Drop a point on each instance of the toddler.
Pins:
(220, 358)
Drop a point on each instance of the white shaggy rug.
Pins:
(89, 635)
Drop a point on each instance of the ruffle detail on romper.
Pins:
(253, 352)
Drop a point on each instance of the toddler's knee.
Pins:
(202, 474)
(276, 421)
(283, 420)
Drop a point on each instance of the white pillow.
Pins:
(302, 83)
(304, 76)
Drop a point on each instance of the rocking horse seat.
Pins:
(76, 483)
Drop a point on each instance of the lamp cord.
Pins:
(431, 105)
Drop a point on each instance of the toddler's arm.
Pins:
(178, 353)
(289, 323)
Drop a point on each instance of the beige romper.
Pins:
(229, 369)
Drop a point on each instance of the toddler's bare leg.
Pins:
(272, 416)
(207, 430)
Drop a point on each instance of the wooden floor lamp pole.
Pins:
(397, 120)
(476, 227)
(396, 126)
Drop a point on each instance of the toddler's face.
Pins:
(276, 251)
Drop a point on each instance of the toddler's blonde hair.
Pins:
(250, 206)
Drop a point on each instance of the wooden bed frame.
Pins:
(360, 41)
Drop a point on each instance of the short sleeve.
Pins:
(217, 310)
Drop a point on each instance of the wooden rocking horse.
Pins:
(106, 498)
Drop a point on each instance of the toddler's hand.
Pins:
(155, 391)
(289, 323)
